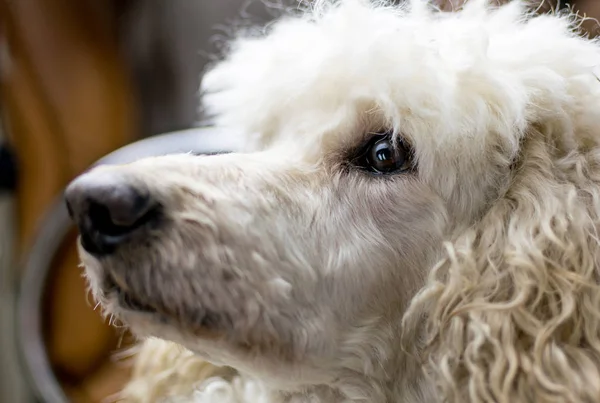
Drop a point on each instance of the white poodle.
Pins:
(414, 219)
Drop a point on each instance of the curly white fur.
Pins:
(324, 264)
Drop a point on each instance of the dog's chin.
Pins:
(139, 316)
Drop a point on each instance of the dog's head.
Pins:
(374, 134)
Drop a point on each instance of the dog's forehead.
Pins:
(442, 79)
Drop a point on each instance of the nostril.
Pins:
(100, 235)
(103, 220)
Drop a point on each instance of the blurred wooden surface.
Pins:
(67, 93)
(68, 101)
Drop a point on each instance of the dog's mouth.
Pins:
(202, 322)
(126, 299)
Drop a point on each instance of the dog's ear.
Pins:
(514, 309)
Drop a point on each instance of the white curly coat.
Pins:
(472, 278)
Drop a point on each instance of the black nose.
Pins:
(108, 210)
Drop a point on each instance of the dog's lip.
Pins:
(130, 303)
(126, 298)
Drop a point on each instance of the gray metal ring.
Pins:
(51, 235)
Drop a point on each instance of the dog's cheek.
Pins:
(381, 239)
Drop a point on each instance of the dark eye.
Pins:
(382, 155)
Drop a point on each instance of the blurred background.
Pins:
(78, 80)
